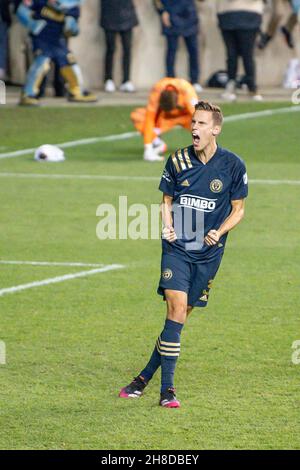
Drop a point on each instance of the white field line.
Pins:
(51, 263)
(74, 143)
(128, 135)
(54, 280)
(127, 178)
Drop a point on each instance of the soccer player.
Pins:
(171, 103)
(201, 181)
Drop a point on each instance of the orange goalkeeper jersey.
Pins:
(187, 98)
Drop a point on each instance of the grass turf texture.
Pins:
(71, 346)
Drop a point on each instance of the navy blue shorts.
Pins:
(58, 52)
(193, 278)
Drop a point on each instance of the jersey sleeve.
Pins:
(168, 179)
(239, 188)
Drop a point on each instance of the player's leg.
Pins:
(174, 275)
(38, 70)
(71, 73)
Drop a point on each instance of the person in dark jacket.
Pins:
(179, 18)
(5, 21)
(118, 17)
(240, 21)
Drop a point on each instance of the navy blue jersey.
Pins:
(53, 31)
(202, 195)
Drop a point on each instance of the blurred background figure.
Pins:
(118, 17)
(296, 8)
(179, 18)
(279, 8)
(171, 103)
(5, 21)
(240, 21)
(50, 23)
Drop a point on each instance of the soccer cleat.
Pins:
(159, 147)
(85, 97)
(168, 399)
(28, 101)
(134, 389)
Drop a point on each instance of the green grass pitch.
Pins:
(71, 346)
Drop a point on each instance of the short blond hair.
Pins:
(215, 110)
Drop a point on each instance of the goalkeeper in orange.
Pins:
(171, 103)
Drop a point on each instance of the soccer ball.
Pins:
(49, 153)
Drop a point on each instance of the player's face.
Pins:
(204, 130)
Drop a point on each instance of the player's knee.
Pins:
(177, 311)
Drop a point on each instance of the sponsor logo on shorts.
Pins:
(216, 186)
(167, 274)
(199, 203)
(204, 298)
(245, 178)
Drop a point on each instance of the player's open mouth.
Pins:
(196, 138)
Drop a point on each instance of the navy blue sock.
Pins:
(152, 366)
(168, 346)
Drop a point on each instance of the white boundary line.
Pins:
(54, 280)
(51, 263)
(126, 178)
(74, 143)
(128, 135)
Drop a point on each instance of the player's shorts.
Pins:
(193, 278)
(58, 52)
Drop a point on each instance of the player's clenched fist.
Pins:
(212, 237)
(168, 233)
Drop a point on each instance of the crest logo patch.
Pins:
(216, 186)
(167, 274)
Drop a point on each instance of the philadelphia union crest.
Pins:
(216, 186)
(167, 274)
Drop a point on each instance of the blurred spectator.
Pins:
(240, 21)
(296, 8)
(5, 21)
(171, 103)
(180, 18)
(278, 8)
(118, 17)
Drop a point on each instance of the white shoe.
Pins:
(159, 146)
(230, 97)
(127, 87)
(198, 88)
(109, 86)
(257, 98)
(229, 93)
